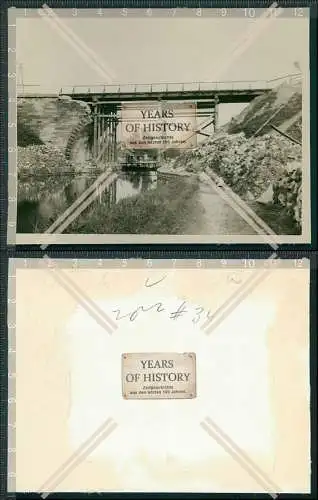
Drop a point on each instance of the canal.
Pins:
(36, 210)
(137, 202)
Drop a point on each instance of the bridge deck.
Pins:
(226, 92)
(224, 96)
(242, 91)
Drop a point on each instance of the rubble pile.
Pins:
(41, 160)
(40, 169)
(250, 166)
(287, 192)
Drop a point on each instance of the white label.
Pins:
(159, 375)
(158, 125)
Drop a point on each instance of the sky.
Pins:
(147, 50)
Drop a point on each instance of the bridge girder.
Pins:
(223, 96)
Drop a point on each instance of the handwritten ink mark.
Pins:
(197, 317)
(155, 283)
(181, 310)
(210, 315)
(118, 317)
(133, 315)
(159, 307)
(234, 279)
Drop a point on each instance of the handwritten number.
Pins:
(159, 307)
(118, 317)
(133, 315)
(197, 317)
(209, 315)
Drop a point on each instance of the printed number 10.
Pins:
(249, 12)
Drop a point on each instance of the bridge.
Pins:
(200, 92)
(227, 92)
(106, 101)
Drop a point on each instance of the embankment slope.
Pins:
(257, 162)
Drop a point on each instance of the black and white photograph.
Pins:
(159, 126)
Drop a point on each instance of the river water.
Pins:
(36, 215)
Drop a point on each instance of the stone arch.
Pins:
(79, 141)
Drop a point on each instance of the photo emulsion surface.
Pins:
(169, 127)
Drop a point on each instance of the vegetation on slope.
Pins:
(279, 107)
(167, 210)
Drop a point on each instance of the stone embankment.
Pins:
(60, 123)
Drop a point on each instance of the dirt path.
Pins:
(217, 216)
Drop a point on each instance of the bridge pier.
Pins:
(216, 114)
(95, 133)
(105, 120)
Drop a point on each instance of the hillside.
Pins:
(256, 162)
(281, 107)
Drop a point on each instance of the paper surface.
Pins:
(252, 374)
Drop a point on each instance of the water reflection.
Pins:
(37, 215)
(132, 183)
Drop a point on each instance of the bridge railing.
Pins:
(131, 88)
(161, 87)
(292, 78)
